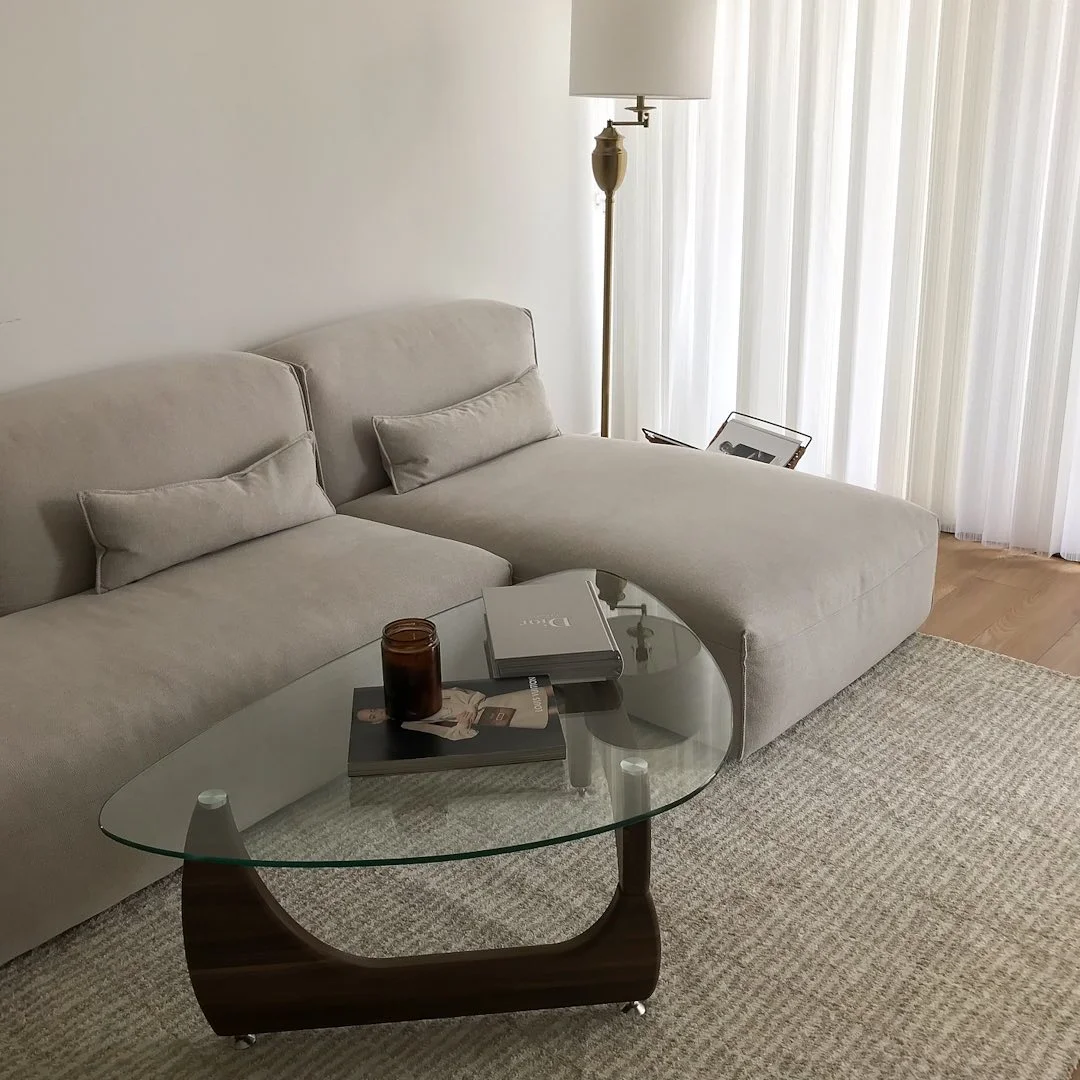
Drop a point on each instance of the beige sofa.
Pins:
(95, 688)
(796, 584)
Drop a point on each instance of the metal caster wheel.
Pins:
(242, 1042)
(635, 1007)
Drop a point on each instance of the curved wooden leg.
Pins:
(254, 968)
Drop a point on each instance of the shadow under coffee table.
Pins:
(268, 787)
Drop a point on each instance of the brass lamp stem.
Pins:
(605, 347)
(609, 170)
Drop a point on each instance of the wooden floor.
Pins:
(1025, 606)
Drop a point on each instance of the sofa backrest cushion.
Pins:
(397, 363)
(129, 427)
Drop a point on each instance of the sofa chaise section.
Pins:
(797, 584)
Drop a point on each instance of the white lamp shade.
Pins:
(652, 48)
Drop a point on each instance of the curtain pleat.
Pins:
(871, 233)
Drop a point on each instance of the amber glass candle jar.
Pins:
(412, 669)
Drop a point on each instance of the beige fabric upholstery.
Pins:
(796, 584)
(96, 688)
(419, 449)
(138, 533)
(396, 363)
(129, 427)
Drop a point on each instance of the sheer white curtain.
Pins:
(871, 233)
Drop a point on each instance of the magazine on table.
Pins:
(482, 722)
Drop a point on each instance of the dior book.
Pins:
(555, 628)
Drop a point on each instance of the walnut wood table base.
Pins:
(255, 969)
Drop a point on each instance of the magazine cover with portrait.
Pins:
(482, 722)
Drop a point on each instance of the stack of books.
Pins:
(556, 628)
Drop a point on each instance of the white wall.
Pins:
(181, 174)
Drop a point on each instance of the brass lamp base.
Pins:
(609, 171)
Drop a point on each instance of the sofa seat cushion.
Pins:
(96, 688)
(796, 583)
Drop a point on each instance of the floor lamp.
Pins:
(634, 49)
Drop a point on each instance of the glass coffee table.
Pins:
(269, 787)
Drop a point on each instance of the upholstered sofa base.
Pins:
(841, 648)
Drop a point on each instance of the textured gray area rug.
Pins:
(890, 890)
